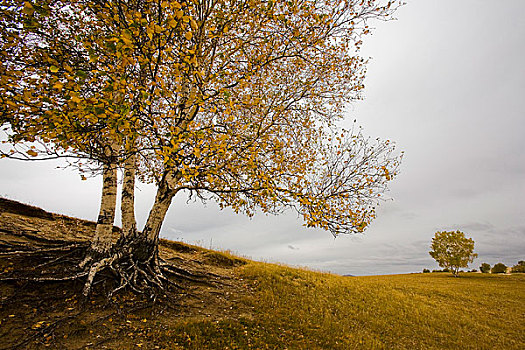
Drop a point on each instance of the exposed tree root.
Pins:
(62, 248)
(45, 279)
(132, 267)
(57, 260)
(133, 263)
(42, 284)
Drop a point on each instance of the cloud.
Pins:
(477, 226)
(465, 192)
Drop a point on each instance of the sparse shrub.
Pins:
(426, 271)
(485, 268)
(499, 268)
(520, 267)
(445, 270)
(473, 270)
(436, 270)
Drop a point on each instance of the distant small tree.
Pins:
(485, 268)
(452, 250)
(520, 267)
(499, 268)
(426, 271)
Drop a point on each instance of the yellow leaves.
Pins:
(150, 31)
(193, 24)
(172, 23)
(38, 325)
(11, 103)
(28, 8)
(188, 35)
(158, 29)
(387, 173)
(58, 86)
(126, 37)
(32, 153)
(53, 69)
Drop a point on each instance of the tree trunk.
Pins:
(158, 212)
(150, 234)
(134, 258)
(129, 224)
(101, 243)
(142, 247)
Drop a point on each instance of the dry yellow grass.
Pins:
(309, 310)
(301, 309)
(253, 305)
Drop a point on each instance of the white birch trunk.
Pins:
(165, 193)
(157, 214)
(104, 231)
(129, 224)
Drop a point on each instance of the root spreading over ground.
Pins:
(42, 282)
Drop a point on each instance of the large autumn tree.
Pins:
(236, 101)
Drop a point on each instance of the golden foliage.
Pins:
(234, 100)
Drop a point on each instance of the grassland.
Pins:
(300, 309)
(432, 311)
(254, 305)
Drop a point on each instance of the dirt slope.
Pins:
(53, 314)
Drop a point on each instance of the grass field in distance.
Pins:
(301, 309)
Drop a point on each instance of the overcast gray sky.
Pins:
(447, 83)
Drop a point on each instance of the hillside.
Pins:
(227, 302)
